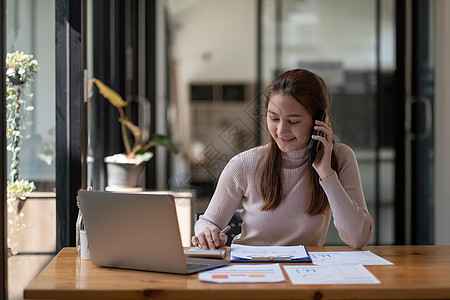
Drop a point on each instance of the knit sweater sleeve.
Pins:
(227, 197)
(347, 202)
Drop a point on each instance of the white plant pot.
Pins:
(124, 175)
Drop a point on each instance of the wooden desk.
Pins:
(418, 272)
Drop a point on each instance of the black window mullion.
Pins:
(422, 150)
(400, 79)
(69, 108)
(150, 60)
(100, 121)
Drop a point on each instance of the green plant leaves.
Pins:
(140, 146)
(159, 140)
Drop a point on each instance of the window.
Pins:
(30, 41)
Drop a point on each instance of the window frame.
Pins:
(70, 130)
(3, 211)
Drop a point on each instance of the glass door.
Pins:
(351, 44)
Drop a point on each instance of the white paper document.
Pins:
(267, 252)
(347, 258)
(244, 273)
(355, 274)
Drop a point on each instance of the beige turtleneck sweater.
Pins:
(289, 223)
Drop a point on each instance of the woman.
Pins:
(286, 201)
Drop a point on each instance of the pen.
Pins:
(226, 229)
(271, 258)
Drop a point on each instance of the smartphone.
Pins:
(314, 145)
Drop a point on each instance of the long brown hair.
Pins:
(311, 91)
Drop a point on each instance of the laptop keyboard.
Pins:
(191, 265)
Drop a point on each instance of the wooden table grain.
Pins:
(419, 272)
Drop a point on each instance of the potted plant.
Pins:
(124, 169)
(20, 69)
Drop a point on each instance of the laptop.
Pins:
(137, 231)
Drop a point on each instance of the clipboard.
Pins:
(280, 258)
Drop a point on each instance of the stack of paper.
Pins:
(337, 267)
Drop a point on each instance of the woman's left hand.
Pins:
(322, 163)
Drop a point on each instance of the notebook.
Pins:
(137, 231)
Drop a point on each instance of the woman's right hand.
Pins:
(210, 238)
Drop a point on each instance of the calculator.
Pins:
(197, 252)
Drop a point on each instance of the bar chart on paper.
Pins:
(347, 258)
(244, 273)
(354, 274)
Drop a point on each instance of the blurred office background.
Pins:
(203, 65)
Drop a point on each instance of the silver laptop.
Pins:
(137, 231)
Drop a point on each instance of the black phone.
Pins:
(314, 145)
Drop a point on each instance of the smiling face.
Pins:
(289, 123)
